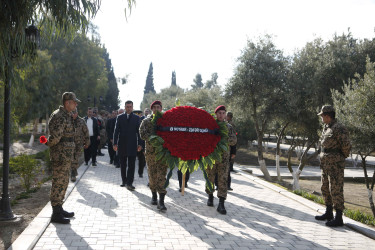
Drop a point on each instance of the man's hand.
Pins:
(86, 147)
(232, 156)
(139, 148)
(98, 137)
(111, 141)
(115, 148)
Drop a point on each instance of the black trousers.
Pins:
(127, 168)
(111, 152)
(141, 161)
(187, 176)
(91, 151)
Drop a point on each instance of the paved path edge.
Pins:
(32, 233)
(355, 225)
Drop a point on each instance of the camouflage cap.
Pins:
(326, 109)
(69, 96)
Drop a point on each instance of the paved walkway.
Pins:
(260, 216)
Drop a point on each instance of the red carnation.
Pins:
(43, 139)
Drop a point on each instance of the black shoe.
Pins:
(141, 176)
(94, 164)
(161, 205)
(117, 166)
(337, 222)
(221, 209)
(73, 178)
(210, 201)
(101, 154)
(111, 162)
(122, 185)
(86, 163)
(154, 199)
(186, 185)
(57, 215)
(328, 215)
(67, 214)
(230, 189)
(130, 187)
(179, 190)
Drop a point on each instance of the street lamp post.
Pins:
(100, 99)
(6, 214)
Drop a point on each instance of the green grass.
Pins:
(352, 214)
(23, 195)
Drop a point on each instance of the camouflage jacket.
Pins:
(61, 134)
(81, 137)
(335, 143)
(145, 131)
(232, 140)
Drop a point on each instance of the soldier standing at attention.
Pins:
(61, 144)
(221, 168)
(157, 171)
(81, 140)
(335, 148)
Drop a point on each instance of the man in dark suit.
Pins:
(127, 141)
(110, 128)
(92, 125)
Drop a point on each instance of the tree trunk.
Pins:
(369, 190)
(262, 162)
(279, 138)
(35, 129)
(47, 119)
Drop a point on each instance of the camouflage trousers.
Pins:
(157, 176)
(60, 181)
(333, 184)
(221, 169)
(77, 153)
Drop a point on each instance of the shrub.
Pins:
(27, 167)
(44, 156)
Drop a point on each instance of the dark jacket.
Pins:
(126, 134)
(110, 128)
(95, 125)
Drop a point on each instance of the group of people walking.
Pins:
(129, 137)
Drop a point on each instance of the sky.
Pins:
(207, 36)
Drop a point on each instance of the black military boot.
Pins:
(328, 215)
(161, 205)
(154, 199)
(337, 222)
(210, 201)
(221, 208)
(66, 213)
(57, 216)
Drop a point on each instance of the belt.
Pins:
(331, 150)
(67, 139)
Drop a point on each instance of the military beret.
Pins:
(326, 109)
(156, 103)
(221, 107)
(69, 96)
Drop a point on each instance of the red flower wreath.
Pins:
(43, 139)
(188, 132)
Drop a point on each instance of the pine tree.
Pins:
(174, 83)
(149, 87)
(198, 84)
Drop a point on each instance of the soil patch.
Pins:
(27, 209)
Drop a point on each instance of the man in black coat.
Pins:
(127, 141)
(110, 128)
(94, 132)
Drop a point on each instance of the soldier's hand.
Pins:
(115, 147)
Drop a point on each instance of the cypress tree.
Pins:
(149, 87)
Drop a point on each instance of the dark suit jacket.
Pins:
(95, 125)
(126, 135)
(110, 127)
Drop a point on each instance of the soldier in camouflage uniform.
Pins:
(335, 148)
(61, 144)
(81, 140)
(221, 168)
(157, 171)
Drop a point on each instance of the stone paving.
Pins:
(259, 217)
